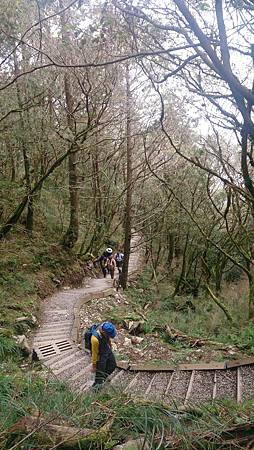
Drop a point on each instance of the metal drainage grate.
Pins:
(53, 348)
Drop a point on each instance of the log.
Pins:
(193, 341)
(51, 434)
(239, 436)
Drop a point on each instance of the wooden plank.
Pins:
(151, 368)
(169, 384)
(70, 365)
(122, 365)
(150, 385)
(63, 323)
(64, 360)
(214, 386)
(167, 368)
(133, 381)
(188, 393)
(79, 374)
(239, 385)
(209, 366)
(116, 378)
(239, 362)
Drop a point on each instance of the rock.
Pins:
(133, 444)
(34, 356)
(33, 319)
(23, 344)
(30, 321)
(127, 342)
(136, 340)
(21, 319)
(135, 326)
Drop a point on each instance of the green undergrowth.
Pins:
(27, 394)
(30, 269)
(197, 317)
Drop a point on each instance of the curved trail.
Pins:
(55, 344)
(55, 340)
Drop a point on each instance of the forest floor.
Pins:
(142, 309)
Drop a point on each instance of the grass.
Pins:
(29, 394)
(206, 321)
(30, 268)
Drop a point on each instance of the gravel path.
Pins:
(247, 382)
(202, 390)
(179, 386)
(226, 384)
(159, 386)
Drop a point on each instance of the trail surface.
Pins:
(55, 344)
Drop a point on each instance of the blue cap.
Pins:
(109, 328)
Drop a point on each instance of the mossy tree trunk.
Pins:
(184, 265)
(128, 205)
(71, 236)
(23, 127)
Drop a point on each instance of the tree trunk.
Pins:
(183, 271)
(128, 206)
(52, 435)
(251, 294)
(220, 304)
(96, 183)
(171, 249)
(220, 266)
(71, 236)
(14, 217)
(30, 208)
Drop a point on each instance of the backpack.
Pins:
(88, 335)
(119, 257)
(104, 262)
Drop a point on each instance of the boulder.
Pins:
(136, 340)
(29, 320)
(127, 342)
(24, 324)
(135, 326)
(22, 342)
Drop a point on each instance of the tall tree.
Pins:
(129, 185)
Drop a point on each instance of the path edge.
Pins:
(75, 330)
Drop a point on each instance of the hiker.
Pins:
(98, 338)
(103, 261)
(119, 256)
(111, 265)
(108, 252)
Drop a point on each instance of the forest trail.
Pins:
(56, 347)
(55, 342)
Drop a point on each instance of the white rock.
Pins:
(136, 340)
(23, 343)
(127, 342)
